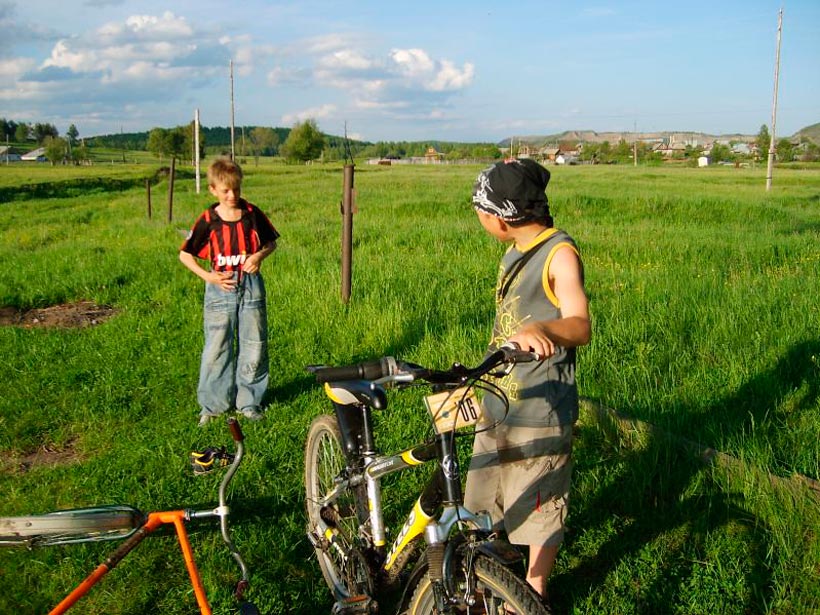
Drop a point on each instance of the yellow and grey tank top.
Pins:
(540, 394)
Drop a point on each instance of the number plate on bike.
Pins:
(453, 409)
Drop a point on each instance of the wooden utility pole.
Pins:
(347, 232)
(772, 147)
(171, 189)
(148, 194)
(196, 148)
(232, 138)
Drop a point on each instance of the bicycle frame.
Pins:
(444, 488)
(144, 526)
(177, 518)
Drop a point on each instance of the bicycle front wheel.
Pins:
(496, 591)
(344, 569)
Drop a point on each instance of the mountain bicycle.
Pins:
(115, 522)
(461, 566)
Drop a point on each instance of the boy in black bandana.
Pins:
(521, 467)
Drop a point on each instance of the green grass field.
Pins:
(703, 292)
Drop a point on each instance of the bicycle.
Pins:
(115, 522)
(463, 567)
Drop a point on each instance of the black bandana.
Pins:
(513, 190)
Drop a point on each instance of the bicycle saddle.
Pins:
(357, 392)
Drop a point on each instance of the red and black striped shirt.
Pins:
(226, 244)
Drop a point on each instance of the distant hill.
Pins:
(591, 136)
(812, 133)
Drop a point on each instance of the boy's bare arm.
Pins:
(574, 327)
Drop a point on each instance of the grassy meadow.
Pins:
(704, 295)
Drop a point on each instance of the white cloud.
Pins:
(401, 74)
(280, 75)
(146, 27)
(314, 113)
(414, 63)
(449, 78)
(15, 67)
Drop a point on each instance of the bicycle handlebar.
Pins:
(388, 369)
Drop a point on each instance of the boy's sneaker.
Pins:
(206, 417)
(251, 413)
(209, 459)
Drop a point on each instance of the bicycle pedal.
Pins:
(209, 459)
(355, 604)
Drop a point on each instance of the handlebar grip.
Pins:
(236, 430)
(514, 354)
(368, 370)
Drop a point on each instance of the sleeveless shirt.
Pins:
(541, 394)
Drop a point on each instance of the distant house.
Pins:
(38, 155)
(549, 153)
(569, 148)
(564, 158)
(6, 155)
(703, 161)
(525, 150)
(431, 156)
(742, 148)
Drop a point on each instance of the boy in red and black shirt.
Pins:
(235, 237)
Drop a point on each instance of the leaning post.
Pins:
(171, 189)
(347, 232)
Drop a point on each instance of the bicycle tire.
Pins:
(344, 569)
(497, 590)
(70, 526)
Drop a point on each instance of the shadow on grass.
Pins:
(654, 510)
(83, 187)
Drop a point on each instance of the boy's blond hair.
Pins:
(225, 171)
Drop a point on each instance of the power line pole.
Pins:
(232, 139)
(196, 147)
(772, 150)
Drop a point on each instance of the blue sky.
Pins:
(452, 70)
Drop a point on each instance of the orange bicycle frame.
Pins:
(155, 520)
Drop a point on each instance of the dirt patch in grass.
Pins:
(44, 456)
(63, 316)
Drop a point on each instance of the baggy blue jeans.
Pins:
(234, 368)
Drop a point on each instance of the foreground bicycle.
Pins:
(464, 567)
(125, 522)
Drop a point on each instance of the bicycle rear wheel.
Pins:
(497, 591)
(70, 526)
(343, 566)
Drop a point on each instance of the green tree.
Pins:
(80, 154)
(811, 151)
(158, 142)
(21, 132)
(7, 128)
(71, 134)
(179, 142)
(304, 142)
(263, 142)
(43, 130)
(485, 150)
(720, 152)
(56, 149)
(623, 151)
(785, 151)
(763, 140)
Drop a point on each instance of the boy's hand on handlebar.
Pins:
(533, 338)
